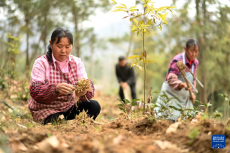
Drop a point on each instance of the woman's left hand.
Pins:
(81, 93)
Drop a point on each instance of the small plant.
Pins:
(227, 101)
(3, 83)
(99, 128)
(142, 23)
(206, 106)
(217, 114)
(24, 93)
(83, 118)
(82, 85)
(225, 96)
(13, 44)
(49, 134)
(126, 106)
(193, 134)
(165, 109)
(168, 105)
(61, 120)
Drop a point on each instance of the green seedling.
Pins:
(217, 114)
(227, 101)
(193, 134)
(142, 24)
(126, 106)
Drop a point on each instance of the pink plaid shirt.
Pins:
(44, 99)
(41, 70)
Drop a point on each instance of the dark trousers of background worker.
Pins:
(133, 92)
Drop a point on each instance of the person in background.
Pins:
(174, 85)
(126, 77)
(52, 79)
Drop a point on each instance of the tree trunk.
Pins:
(203, 49)
(27, 48)
(77, 36)
(203, 55)
(45, 33)
(92, 55)
(130, 44)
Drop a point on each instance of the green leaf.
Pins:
(159, 27)
(202, 105)
(153, 105)
(197, 101)
(136, 22)
(173, 107)
(221, 95)
(132, 65)
(126, 101)
(134, 100)
(120, 100)
(124, 5)
(134, 103)
(121, 105)
(122, 109)
(133, 56)
(133, 7)
(156, 91)
(114, 2)
(189, 109)
(117, 10)
(150, 61)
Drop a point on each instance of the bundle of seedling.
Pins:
(81, 86)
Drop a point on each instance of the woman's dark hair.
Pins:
(193, 42)
(58, 34)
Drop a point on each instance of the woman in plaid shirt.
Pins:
(52, 79)
(174, 86)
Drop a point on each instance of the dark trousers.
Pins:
(92, 108)
(133, 92)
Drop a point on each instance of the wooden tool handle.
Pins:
(181, 66)
(190, 90)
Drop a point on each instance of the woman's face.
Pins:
(192, 52)
(62, 49)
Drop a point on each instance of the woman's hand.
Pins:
(183, 85)
(64, 88)
(81, 93)
(193, 97)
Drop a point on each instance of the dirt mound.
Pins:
(140, 126)
(199, 139)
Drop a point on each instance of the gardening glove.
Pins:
(64, 88)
